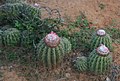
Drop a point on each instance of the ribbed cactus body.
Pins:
(99, 62)
(13, 1)
(81, 64)
(11, 37)
(27, 38)
(52, 49)
(1, 37)
(67, 45)
(18, 11)
(101, 39)
(50, 56)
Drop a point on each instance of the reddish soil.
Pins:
(100, 12)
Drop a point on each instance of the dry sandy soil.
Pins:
(92, 9)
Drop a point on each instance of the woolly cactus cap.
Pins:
(101, 32)
(52, 39)
(103, 50)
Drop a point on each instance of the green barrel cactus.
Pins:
(81, 64)
(67, 44)
(11, 37)
(27, 38)
(51, 50)
(1, 37)
(101, 37)
(13, 1)
(100, 60)
(20, 12)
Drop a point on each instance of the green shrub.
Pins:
(27, 38)
(11, 56)
(81, 39)
(114, 33)
(100, 60)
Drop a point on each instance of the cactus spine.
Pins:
(100, 60)
(11, 37)
(81, 64)
(51, 50)
(101, 37)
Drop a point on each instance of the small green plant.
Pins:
(81, 64)
(11, 37)
(27, 38)
(101, 37)
(51, 50)
(114, 33)
(100, 60)
(82, 21)
(81, 39)
(102, 6)
(12, 56)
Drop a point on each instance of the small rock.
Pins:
(108, 79)
(67, 75)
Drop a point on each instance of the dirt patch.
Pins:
(100, 12)
(10, 75)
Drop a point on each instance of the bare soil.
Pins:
(100, 12)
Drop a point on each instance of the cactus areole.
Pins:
(103, 50)
(101, 32)
(52, 40)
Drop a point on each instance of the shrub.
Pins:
(81, 39)
(114, 33)
(27, 38)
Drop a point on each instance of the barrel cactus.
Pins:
(11, 37)
(10, 13)
(13, 1)
(51, 50)
(1, 37)
(27, 38)
(81, 64)
(67, 44)
(101, 37)
(100, 60)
